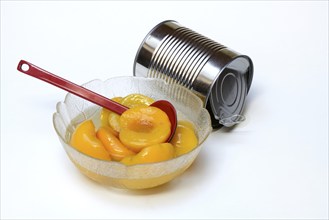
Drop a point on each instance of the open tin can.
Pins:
(220, 76)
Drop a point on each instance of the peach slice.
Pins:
(114, 121)
(132, 100)
(144, 126)
(104, 119)
(184, 139)
(84, 139)
(136, 100)
(151, 154)
(112, 144)
(111, 119)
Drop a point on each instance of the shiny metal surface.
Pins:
(220, 76)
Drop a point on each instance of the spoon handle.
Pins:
(37, 72)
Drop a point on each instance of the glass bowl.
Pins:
(73, 110)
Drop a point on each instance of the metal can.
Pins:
(220, 76)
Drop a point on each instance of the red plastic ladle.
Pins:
(32, 70)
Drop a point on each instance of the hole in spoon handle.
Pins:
(23, 66)
(37, 72)
(32, 70)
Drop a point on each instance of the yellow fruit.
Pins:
(114, 121)
(136, 100)
(132, 100)
(184, 138)
(151, 154)
(117, 99)
(112, 144)
(144, 126)
(84, 139)
(109, 118)
(186, 124)
(104, 117)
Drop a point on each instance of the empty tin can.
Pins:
(220, 76)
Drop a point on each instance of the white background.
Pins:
(274, 165)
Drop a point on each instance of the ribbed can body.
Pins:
(218, 75)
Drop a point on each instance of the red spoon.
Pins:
(37, 72)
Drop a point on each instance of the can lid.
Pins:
(228, 92)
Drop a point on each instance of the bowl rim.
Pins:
(203, 109)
